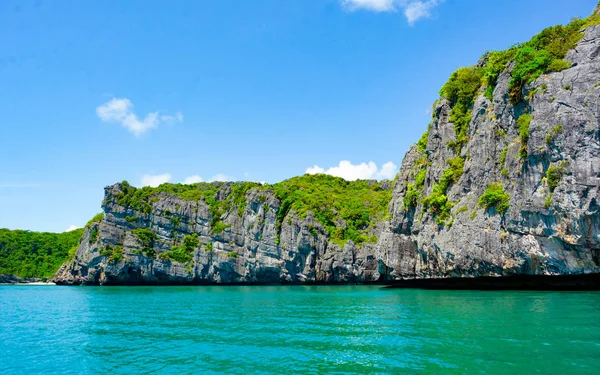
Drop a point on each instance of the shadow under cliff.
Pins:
(520, 282)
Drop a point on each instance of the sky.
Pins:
(96, 92)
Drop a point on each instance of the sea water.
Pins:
(296, 330)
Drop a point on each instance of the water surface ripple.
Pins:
(296, 329)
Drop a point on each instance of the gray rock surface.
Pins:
(246, 252)
(532, 238)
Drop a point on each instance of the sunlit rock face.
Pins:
(551, 226)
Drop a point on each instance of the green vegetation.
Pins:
(496, 64)
(238, 192)
(131, 219)
(503, 156)
(232, 254)
(437, 202)
(523, 123)
(34, 254)
(218, 195)
(146, 238)
(554, 132)
(422, 143)
(558, 65)
(548, 201)
(96, 219)
(359, 203)
(208, 247)
(461, 90)
(555, 173)
(495, 197)
(114, 253)
(93, 235)
(461, 209)
(183, 253)
(415, 190)
(219, 227)
(544, 53)
(473, 215)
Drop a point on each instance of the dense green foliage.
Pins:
(461, 91)
(146, 238)
(34, 254)
(555, 173)
(422, 143)
(96, 219)
(495, 64)
(218, 195)
(415, 190)
(359, 203)
(548, 201)
(114, 253)
(183, 253)
(523, 123)
(544, 53)
(437, 202)
(495, 197)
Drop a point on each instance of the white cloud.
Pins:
(178, 117)
(416, 10)
(72, 228)
(413, 10)
(121, 111)
(155, 180)
(362, 171)
(388, 171)
(374, 5)
(192, 179)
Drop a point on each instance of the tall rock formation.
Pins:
(506, 185)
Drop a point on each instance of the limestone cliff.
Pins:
(505, 183)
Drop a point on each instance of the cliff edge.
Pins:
(505, 182)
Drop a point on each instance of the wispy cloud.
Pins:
(220, 177)
(362, 171)
(177, 117)
(374, 5)
(72, 228)
(120, 110)
(413, 10)
(154, 180)
(193, 179)
(416, 10)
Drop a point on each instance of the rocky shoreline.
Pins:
(15, 280)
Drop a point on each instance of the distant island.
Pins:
(504, 182)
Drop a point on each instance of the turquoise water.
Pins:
(285, 330)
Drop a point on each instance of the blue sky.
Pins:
(95, 92)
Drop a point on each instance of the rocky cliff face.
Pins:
(543, 232)
(250, 249)
(549, 179)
